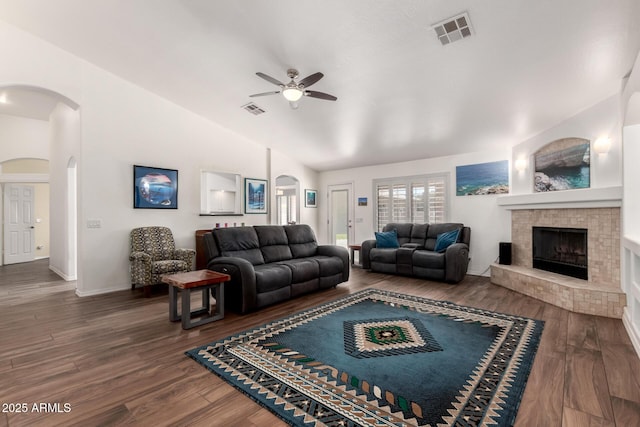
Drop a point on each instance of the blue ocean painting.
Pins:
(563, 169)
(482, 178)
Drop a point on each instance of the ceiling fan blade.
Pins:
(320, 95)
(264, 94)
(269, 79)
(309, 80)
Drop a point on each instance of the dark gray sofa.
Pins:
(272, 263)
(416, 256)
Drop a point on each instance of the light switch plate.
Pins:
(94, 223)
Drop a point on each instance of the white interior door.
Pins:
(340, 215)
(19, 223)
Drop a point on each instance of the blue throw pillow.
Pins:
(445, 240)
(387, 239)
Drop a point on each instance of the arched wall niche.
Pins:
(563, 164)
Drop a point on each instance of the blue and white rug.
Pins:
(379, 358)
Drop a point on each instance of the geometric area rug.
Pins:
(380, 358)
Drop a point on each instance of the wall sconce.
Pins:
(521, 165)
(602, 145)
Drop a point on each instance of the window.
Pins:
(418, 199)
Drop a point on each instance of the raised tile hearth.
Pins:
(601, 293)
(572, 294)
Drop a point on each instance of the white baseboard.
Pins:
(63, 275)
(100, 291)
(634, 334)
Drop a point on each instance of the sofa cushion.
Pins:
(386, 256)
(329, 265)
(436, 229)
(428, 259)
(403, 230)
(445, 240)
(273, 243)
(418, 235)
(387, 239)
(302, 241)
(412, 246)
(302, 269)
(241, 242)
(272, 276)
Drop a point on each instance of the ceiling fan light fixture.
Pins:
(292, 94)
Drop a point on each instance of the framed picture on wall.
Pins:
(310, 198)
(483, 179)
(256, 196)
(155, 188)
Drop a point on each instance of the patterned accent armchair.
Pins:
(154, 253)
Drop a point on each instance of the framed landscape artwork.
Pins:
(564, 164)
(256, 196)
(482, 178)
(310, 198)
(155, 188)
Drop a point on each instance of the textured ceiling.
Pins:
(401, 94)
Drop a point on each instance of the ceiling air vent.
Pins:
(253, 109)
(453, 29)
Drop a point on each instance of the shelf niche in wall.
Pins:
(220, 193)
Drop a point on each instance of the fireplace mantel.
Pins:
(606, 197)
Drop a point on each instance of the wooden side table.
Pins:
(354, 248)
(201, 280)
(201, 253)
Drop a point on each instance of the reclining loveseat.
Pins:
(428, 251)
(272, 263)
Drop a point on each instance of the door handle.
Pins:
(32, 226)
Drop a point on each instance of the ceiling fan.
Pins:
(293, 91)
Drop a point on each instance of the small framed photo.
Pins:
(256, 196)
(310, 198)
(155, 188)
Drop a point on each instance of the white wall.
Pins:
(121, 125)
(64, 141)
(22, 138)
(602, 119)
(631, 205)
(489, 223)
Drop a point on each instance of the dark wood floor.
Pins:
(116, 359)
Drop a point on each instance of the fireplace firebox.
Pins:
(561, 250)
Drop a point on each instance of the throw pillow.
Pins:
(387, 239)
(444, 240)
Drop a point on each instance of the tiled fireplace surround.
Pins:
(599, 295)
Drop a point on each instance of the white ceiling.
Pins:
(401, 94)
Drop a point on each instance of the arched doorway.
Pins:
(287, 200)
(26, 108)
